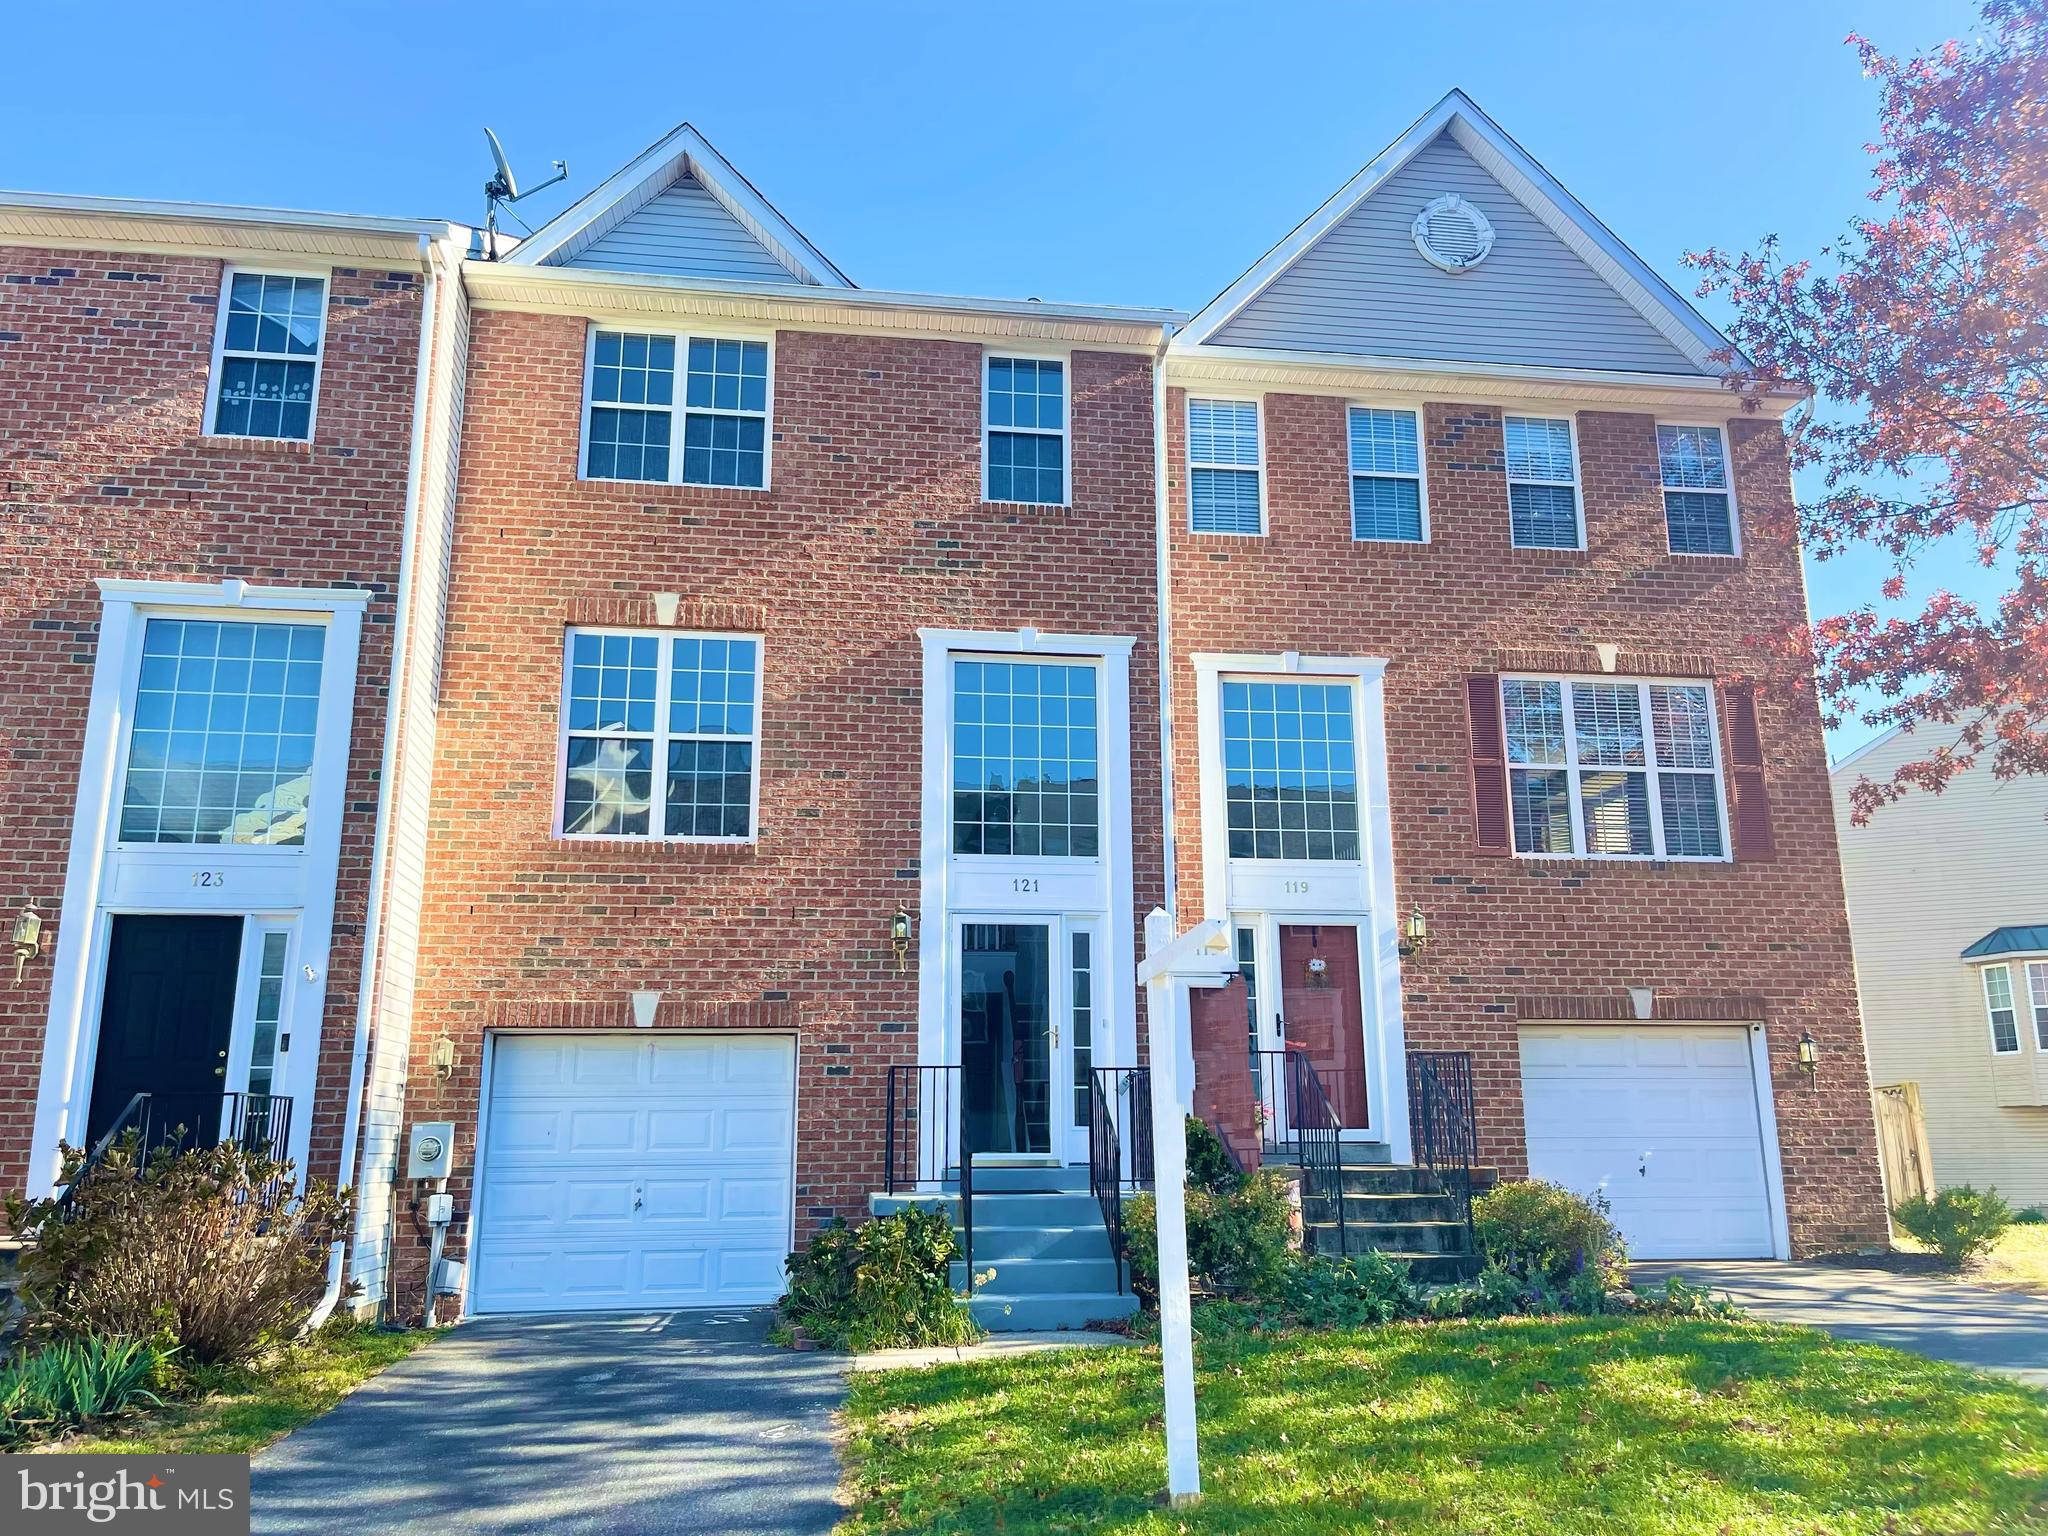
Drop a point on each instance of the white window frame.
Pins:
(1651, 769)
(1727, 460)
(678, 411)
(657, 811)
(2036, 1009)
(1098, 663)
(1353, 684)
(1065, 434)
(1258, 405)
(1571, 424)
(1991, 1009)
(220, 352)
(1354, 473)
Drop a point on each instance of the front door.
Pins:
(1322, 1011)
(165, 1020)
(1011, 1061)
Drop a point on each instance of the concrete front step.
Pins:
(1424, 1266)
(1006, 1312)
(998, 1178)
(1403, 1237)
(995, 1245)
(1393, 1209)
(1039, 1277)
(1354, 1154)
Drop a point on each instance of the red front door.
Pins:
(1322, 1011)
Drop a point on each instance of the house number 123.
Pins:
(209, 877)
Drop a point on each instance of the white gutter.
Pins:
(366, 982)
(424, 230)
(1162, 538)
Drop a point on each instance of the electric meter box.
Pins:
(431, 1153)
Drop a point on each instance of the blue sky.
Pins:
(1120, 153)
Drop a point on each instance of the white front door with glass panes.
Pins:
(1026, 1014)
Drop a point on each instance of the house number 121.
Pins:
(1024, 883)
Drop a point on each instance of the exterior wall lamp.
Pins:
(1414, 932)
(1809, 1058)
(28, 938)
(442, 1057)
(899, 938)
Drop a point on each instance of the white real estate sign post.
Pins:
(1201, 957)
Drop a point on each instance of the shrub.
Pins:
(1240, 1237)
(2030, 1216)
(1209, 1161)
(1544, 1233)
(1349, 1292)
(1959, 1221)
(69, 1382)
(881, 1285)
(209, 1249)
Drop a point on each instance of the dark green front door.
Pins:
(165, 1020)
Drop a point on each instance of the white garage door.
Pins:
(628, 1171)
(1663, 1119)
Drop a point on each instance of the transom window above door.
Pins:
(1613, 769)
(631, 409)
(1290, 770)
(659, 735)
(1025, 755)
(221, 749)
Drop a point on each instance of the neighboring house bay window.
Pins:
(1998, 1002)
(266, 366)
(1025, 755)
(1290, 770)
(1613, 769)
(1025, 430)
(1223, 467)
(1699, 504)
(221, 749)
(1386, 475)
(634, 418)
(660, 735)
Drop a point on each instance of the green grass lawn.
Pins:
(1554, 1427)
(247, 1408)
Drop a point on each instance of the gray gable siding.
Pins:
(685, 232)
(1364, 288)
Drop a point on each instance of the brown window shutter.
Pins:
(1489, 764)
(1749, 801)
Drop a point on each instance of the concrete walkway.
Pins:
(992, 1347)
(1991, 1330)
(628, 1426)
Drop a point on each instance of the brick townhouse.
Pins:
(214, 426)
(781, 764)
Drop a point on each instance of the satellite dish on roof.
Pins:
(503, 188)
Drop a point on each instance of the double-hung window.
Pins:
(1699, 504)
(1025, 753)
(2037, 996)
(1613, 769)
(1998, 1002)
(1543, 483)
(660, 735)
(1386, 475)
(1223, 467)
(1290, 770)
(268, 366)
(632, 409)
(1024, 430)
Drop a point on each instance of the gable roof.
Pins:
(1653, 328)
(679, 208)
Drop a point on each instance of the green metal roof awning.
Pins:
(2026, 939)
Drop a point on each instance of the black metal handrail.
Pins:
(925, 1142)
(1119, 1146)
(258, 1122)
(1443, 1122)
(1318, 1136)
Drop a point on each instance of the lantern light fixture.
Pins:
(1415, 932)
(899, 937)
(28, 937)
(1809, 1056)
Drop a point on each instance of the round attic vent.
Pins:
(1452, 234)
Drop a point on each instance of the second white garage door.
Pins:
(628, 1171)
(1664, 1120)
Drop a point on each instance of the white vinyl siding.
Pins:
(1613, 769)
(1365, 289)
(685, 232)
(638, 425)
(1699, 504)
(1386, 476)
(1998, 1004)
(1224, 490)
(1543, 483)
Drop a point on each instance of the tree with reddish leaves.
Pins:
(1925, 352)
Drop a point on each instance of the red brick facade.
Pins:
(105, 472)
(1515, 939)
(873, 526)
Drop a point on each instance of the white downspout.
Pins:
(1161, 538)
(366, 986)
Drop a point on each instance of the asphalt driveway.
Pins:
(675, 1422)
(1991, 1330)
